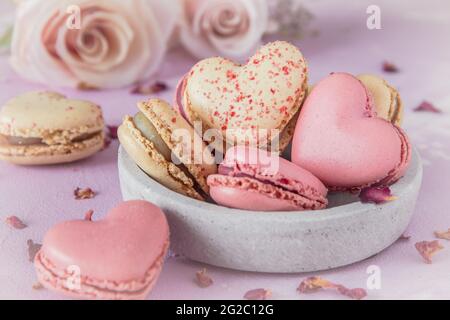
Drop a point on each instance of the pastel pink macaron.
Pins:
(341, 140)
(118, 257)
(254, 179)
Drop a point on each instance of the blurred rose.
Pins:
(118, 42)
(221, 27)
(7, 9)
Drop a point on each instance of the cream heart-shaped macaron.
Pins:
(118, 257)
(244, 102)
(341, 141)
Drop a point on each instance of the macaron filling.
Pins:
(33, 141)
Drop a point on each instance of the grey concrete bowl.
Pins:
(284, 242)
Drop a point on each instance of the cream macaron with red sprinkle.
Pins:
(39, 128)
(244, 102)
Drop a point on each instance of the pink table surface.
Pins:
(414, 35)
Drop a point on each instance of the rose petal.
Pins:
(443, 235)
(83, 86)
(33, 249)
(376, 195)
(357, 293)
(88, 215)
(106, 143)
(404, 237)
(389, 67)
(15, 222)
(112, 132)
(427, 249)
(427, 107)
(314, 284)
(155, 88)
(38, 286)
(83, 194)
(203, 279)
(258, 294)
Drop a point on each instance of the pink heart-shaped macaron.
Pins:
(340, 139)
(119, 257)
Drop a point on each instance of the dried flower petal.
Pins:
(427, 249)
(203, 279)
(83, 86)
(389, 67)
(258, 294)
(314, 284)
(15, 222)
(106, 143)
(443, 235)
(427, 107)
(404, 237)
(112, 132)
(37, 286)
(83, 194)
(33, 249)
(376, 195)
(356, 293)
(155, 88)
(88, 215)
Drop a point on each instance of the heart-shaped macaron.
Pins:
(119, 257)
(239, 100)
(341, 141)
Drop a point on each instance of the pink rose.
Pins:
(114, 43)
(221, 27)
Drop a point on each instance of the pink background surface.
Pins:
(414, 35)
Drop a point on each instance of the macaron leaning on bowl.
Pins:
(165, 146)
(40, 128)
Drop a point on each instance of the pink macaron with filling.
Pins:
(117, 257)
(341, 140)
(253, 179)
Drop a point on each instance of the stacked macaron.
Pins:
(344, 131)
(38, 128)
(118, 257)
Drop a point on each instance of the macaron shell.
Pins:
(251, 194)
(232, 197)
(387, 100)
(170, 125)
(35, 114)
(266, 93)
(52, 154)
(348, 147)
(147, 157)
(271, 167)
(117, 256)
